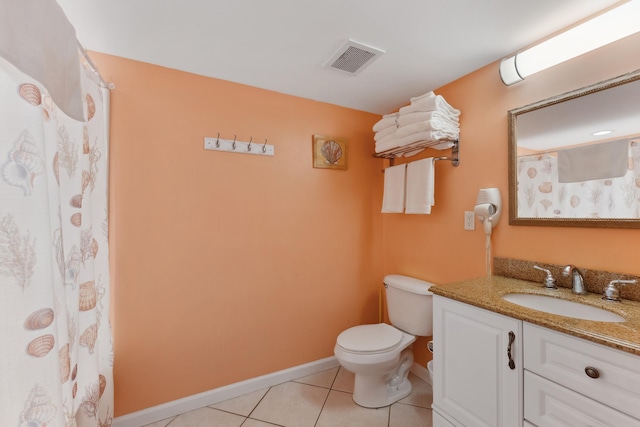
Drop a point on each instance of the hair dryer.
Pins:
(488, 208)
(484, 212)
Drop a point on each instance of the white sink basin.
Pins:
(563, 307)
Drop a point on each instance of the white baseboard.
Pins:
(211, 397)
(421, 372)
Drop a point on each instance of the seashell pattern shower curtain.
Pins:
(541, 195)
(55, 340)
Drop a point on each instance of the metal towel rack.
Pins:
(393, 153)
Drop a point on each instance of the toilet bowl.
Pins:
(380, 355)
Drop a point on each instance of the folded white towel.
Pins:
(427, 135)
(385, 122)
(443, 105)
(411, 153)
(442, 146)
(420, 185)
(394, 189)
(387, 145)
(387, 139)
(428, 95)
(422, 116)
(433, 124)
(431, 104)
(384, 132)
(418, 138)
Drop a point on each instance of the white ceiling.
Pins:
(282, 45)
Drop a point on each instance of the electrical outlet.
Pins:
(469, 220)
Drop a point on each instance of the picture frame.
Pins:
(329, 152)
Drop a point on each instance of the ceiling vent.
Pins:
(353, 57)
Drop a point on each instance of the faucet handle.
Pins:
(549, 281)
(611, 293)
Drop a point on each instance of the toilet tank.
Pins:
(409, 304)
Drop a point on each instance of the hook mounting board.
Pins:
(242, 147)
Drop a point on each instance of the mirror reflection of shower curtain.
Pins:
(540, 195)
(56, 358)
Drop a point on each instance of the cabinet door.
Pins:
(473, 382)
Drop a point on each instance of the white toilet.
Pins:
(380, 355)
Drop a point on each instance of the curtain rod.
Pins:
(93, 67)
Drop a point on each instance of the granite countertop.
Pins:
(487, 292)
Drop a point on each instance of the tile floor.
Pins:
(319, 400)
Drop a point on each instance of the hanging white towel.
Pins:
(394, 189)
(420, 185)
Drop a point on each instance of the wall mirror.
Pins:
(574, 159)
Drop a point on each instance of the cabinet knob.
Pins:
(592, 372)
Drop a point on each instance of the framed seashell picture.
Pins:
(329, 153)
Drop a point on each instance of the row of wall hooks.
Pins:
(242, 147)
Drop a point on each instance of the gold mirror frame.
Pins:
(514, 219)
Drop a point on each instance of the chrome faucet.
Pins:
(611, 293)
(549, 281)
(576, 279)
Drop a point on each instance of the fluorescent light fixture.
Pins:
(606, 28)
(602, 132)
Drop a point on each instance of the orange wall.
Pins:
(229, 266)
(226, 267)
(436, 247)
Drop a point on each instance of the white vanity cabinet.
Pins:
(558, 381)
(473, 384)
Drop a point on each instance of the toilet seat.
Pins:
(370, 339)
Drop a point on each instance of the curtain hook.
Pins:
(264, 147)
(249, 146)
(218, 141)
(234, 142)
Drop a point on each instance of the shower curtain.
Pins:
(56, 357)
(541, 195)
